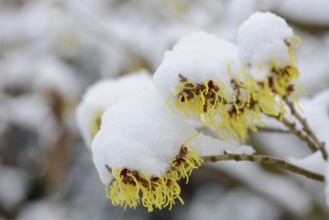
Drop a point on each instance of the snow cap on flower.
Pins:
(266, 50)
(199, 77)
(141, 155)
(199, 57)
(103, 94)
(264, 38)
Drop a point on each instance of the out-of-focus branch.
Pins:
(267, 160)
(306, 128)
(57, 158)
(6, 213)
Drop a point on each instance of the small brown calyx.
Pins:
(134, 178)
(182, 78)
(169, 183)
(234, 112)
(287, 42)
(290, 89)
(183, 150)
(191, 90)
(179, 159)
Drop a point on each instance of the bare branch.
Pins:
(108, 169)
(306, 128)
(269, 129)
(267, 160)
(293, 129)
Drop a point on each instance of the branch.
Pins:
(293, 129)
(306, 128)
(108, 169)
(269, 129)
(266, 160)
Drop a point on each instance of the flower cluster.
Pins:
(266, 49)
(141, 148)
(230, 86)
(135, 162)
(131, 188)
(103, 94)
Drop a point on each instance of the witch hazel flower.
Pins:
(198, 77)
(104, 94)
(141, 156)
(266, 50)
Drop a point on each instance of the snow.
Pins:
(62, 46)
(322, 99)
(33, 83)
(32, 112)
(208, 146)
(44, 209)
(279, 188)
(13, 187)
(304, 11)
(44, 73)
(317, 117)
(261, 41)
(312, 62)
(211, 200)
(123, 136)
(150, 132)
(105, 93)
(239, 10)
(198, 57)
(316, 112)
(52, 74)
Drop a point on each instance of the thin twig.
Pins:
(306, 128)
(293, 129)
(267, 160)
(268, 129)
(108, 169)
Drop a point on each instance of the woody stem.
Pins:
(293, 129)
(266, 160)
(306, 128)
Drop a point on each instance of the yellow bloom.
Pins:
(132, 188)
(95, 124)
(205, 100)
(215, 106)
(281, 78)
(280, 81)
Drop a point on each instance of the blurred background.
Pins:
(52, 50)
